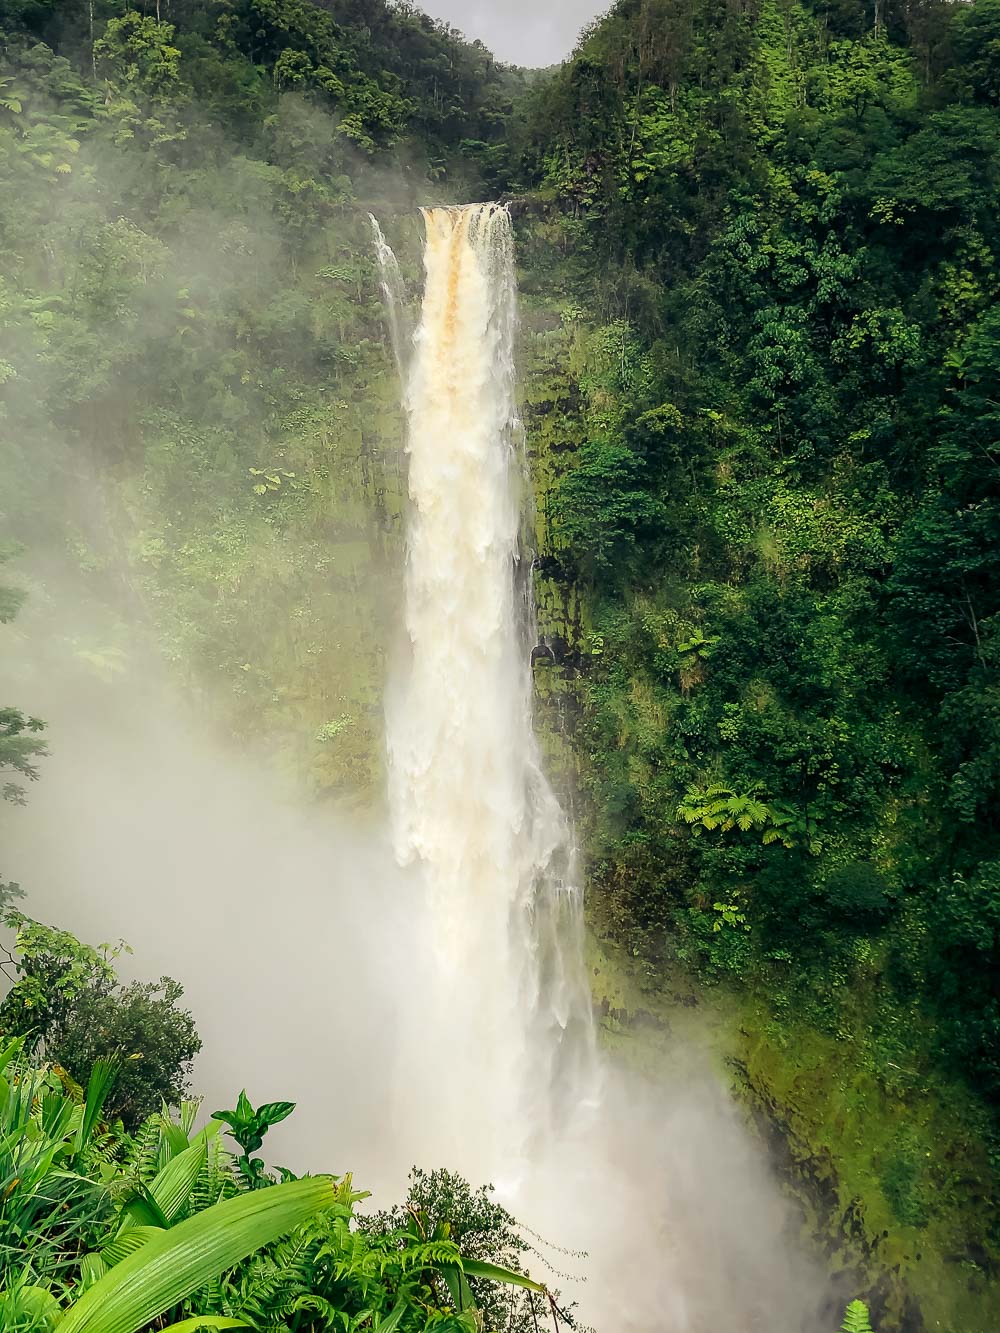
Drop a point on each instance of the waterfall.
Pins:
(469, 800)
(500, 1077)
(394, 292)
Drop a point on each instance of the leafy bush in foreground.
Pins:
(67, 1003)
(104, 1231)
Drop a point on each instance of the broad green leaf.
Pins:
(272, 1113)
(126, 1243)
(173, 1185)
(28, 1302)
(144, 1211)
(494, 1273)
(458, 1287)
(175, 1137)
(172, 1265)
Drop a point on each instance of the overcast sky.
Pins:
(522, 32)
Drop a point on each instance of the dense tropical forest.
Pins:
(759, 257)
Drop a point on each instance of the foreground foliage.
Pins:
(104, 1232)
(64, 998)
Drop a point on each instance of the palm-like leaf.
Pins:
(99, 1085)
(173, 1184)
(171, 1266)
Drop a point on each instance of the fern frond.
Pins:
(431, 1254)
(856, 1319)
(143, 1161)
(216, 1180)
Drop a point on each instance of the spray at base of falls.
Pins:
(662, 1189)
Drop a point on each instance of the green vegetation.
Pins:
(761, 262)
(20, 740)
(65, 1000)
(109, 1232)
(776, 478)
(197, 404)
(856, 1319)
(763, 403)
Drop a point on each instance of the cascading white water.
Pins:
(499, 1073)
(470, 802)
(395, 297)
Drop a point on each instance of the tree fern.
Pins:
(272, 1284)
(429, 1254)
(719, 807)
(856, 1319)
